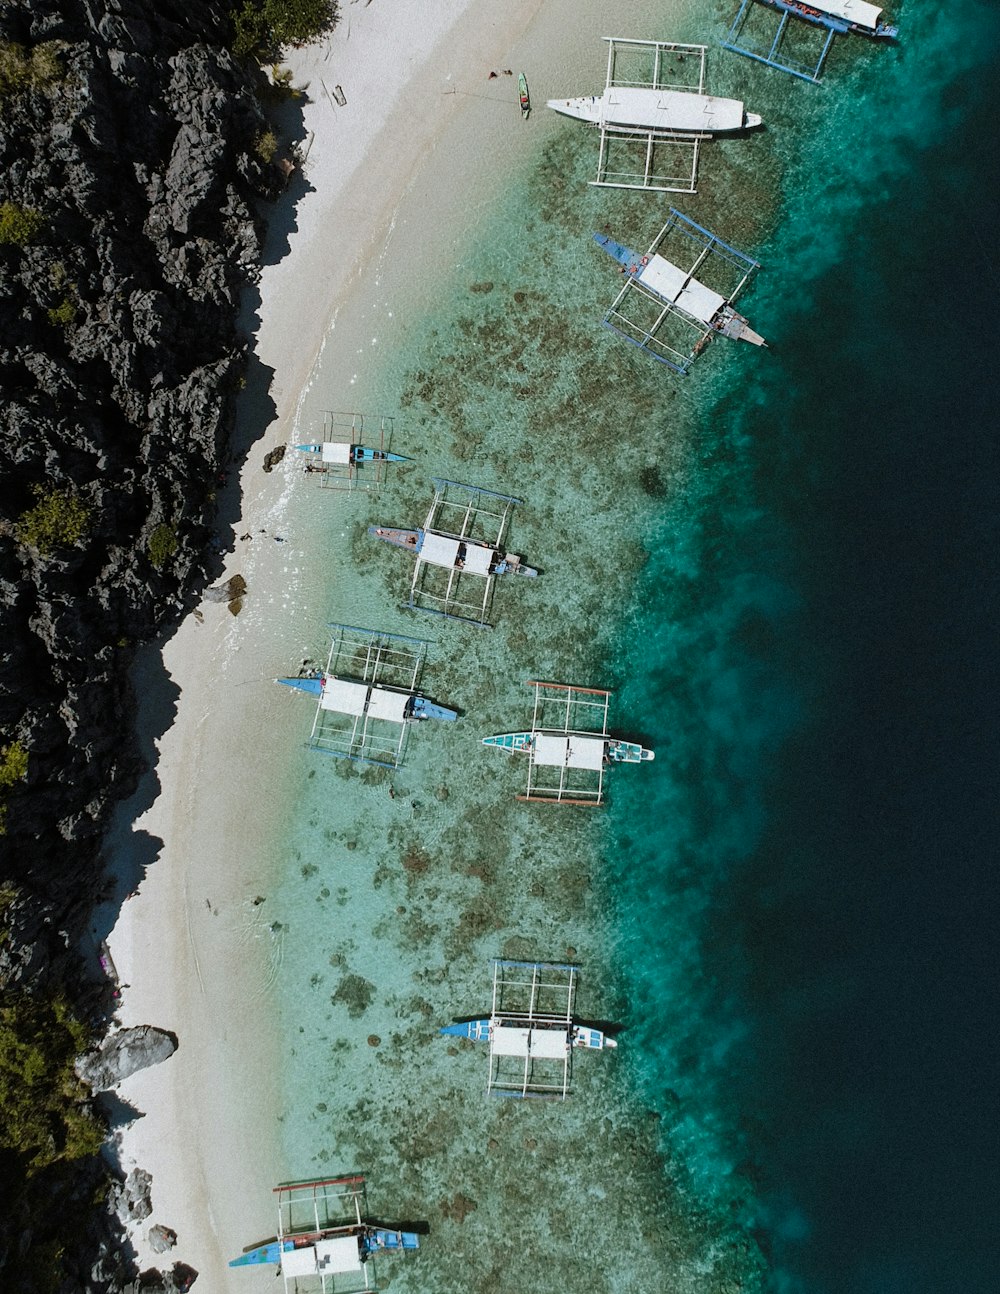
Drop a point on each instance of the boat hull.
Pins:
(418, 707)
(583, 1036)
(413, 541)
(522, 94)
(665, 111)
(615, 752)
(359, 454)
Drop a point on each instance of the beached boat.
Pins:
(324, 1242)
(567, 762)
(671, 302)
(837, 17)
(343, 459)
(471, 556)
(522, 94)
(345, 695)
(449, 562)
(343, 454)
(368, 695)
(531, 1031)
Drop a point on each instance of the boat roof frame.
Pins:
(646, 140)
(532, 1079)
(450, 603)
(351, 429)
(645, 338)
(317, 1198)
(356, 737)
(574, 702)
(773, 56)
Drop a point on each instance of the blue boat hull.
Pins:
(419, 707)
(372, 1240)
(360, 454)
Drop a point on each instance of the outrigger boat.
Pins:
(531, 1030)
(323, 1241)
(670, 295)
(367, 696)
(654, 115)
(522, 94)
(837, 17)
(341, 457)
(558, 749)
(446, 560)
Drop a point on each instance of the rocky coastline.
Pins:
(137, 167)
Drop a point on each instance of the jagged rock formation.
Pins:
(131, 164)
(124, 1053)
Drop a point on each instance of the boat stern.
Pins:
(751, 120)
(424, 709)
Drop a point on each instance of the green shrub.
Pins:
(261, 27)
(64, 313)
(42, 1099)
(162, 544)
(266, 145)
(58, 520)
(22, 69)
(19, 225)
(13, 764)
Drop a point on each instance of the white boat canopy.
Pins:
(554, 750)
(336, 1254)
(478, 558)
(541, 1044)
(385, 703)
(338, 452)
(859, 11)
(343, 696)
(669, 110)
(439, 550)
(675, 285)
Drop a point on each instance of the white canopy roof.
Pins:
(585, 752)
(325, 1257)
(384, 703)
(335, 452)
(338, 1254)
(439, 550)
(674, 284)
(508, 1041)
(867, 15)
(544, 1044)
(553, 750)
(669, 110)
(478, 558)
(549, 1044)
(343, 696)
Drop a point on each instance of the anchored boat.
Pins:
(450, 562)
(342, 460)
(654, 115)
(368, 696)
(836, 17)
(531, 1030)
(671, 302)
(566, 763)
(324, 1242)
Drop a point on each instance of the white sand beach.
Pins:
(193, 946)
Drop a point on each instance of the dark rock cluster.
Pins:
(133, 156)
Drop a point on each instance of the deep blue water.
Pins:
(816, 876)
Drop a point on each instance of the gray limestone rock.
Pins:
(124, 1053)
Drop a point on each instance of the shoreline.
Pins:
(193, 946)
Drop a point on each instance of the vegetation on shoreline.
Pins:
(262, 27)
(58, 520)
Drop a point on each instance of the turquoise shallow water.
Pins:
(667, 518)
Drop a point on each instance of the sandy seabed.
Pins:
(192, 946)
